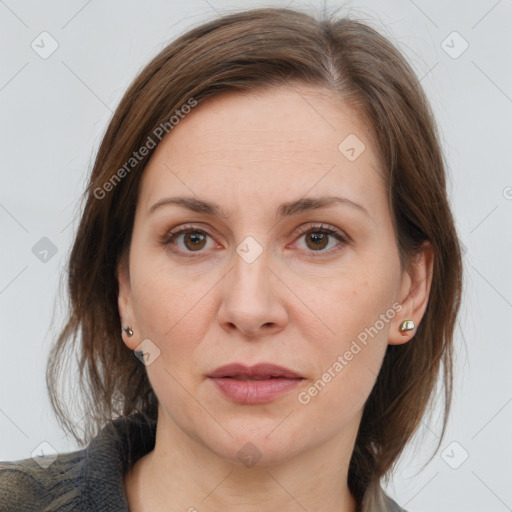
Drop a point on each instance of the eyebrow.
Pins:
(285, 210)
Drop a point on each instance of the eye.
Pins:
(318, 237)
(194, 239)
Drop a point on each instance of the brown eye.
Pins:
(317, 238)
(318, 241)
(187, 239)
(194, 241)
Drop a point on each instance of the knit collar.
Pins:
(110, 455)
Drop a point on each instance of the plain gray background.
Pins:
(54, 111)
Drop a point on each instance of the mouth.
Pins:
(258, 372)
(259, 384)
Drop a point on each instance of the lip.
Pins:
(258, 370)
(235, 382)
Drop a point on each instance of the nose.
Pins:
(253, 299)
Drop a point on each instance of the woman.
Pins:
(267, 231)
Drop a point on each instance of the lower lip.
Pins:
(254, 391)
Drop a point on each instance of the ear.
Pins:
(125, 303)
(414, 291)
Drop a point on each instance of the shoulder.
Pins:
(389, 505)
(81, 481)
(376, 500)
(393, 506)
(30, 484)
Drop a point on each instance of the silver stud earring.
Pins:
(407, 325)
(128, 330)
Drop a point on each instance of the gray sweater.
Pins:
(86, 480)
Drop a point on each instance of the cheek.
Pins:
(171, 314)
(358, 310)
(171, 307)
(354, 302)
(349, 368)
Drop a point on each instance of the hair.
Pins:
(250, 51)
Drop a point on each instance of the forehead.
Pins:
(277, 143)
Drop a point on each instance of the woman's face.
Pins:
(264, 281)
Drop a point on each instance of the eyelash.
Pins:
(171, 235)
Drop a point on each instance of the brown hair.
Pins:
(251, 50)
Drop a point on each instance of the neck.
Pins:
(182, 474)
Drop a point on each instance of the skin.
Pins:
(250, 152)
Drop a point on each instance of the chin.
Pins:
(253, 446)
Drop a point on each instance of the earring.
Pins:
(407, 325)
(128, 330)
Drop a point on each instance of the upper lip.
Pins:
(258, 370)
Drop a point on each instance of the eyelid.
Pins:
(323, 226)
